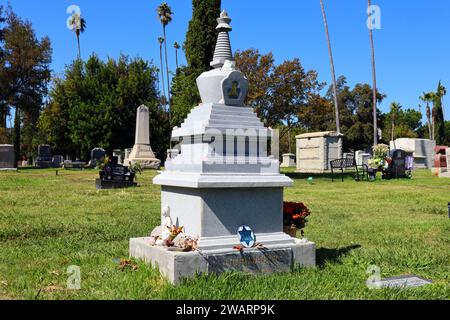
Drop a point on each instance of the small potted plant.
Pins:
(294, 217)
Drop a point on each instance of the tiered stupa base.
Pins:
(175, 265)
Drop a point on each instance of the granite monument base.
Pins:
(143, 155)
(113, 184)
(176, 265)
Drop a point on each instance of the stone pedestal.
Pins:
(221, 181)
(445, 172)
(142, 152)
(288, 160)
(7, 157)
(315, 151)
(175, 265)
(362, 157)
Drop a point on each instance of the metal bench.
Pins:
(349, 163)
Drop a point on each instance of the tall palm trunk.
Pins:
(333, 74)
(167, 73)
(176, 58)
(429, 121)
(374, 79)
(162, 74)
(392, 130)
(79, 47)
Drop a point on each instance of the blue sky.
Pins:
(412, 47)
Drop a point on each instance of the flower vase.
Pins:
(291, 231)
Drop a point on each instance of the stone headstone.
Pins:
(142, 152)
(97, 155)
(446, 172)
(398, 167)
(7, 157)
(422, 149)
(127, 155)
(447, 155)
(118, 153)
(222, 180)
(316, 150)
(44, 158)
(288, 160)
(57, 161)
(362, 157)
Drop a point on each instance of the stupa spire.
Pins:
(223, 46)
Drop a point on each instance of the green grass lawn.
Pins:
(50, 222)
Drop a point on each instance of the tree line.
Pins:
(93, 103)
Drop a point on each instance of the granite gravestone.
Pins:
(224, 179)
(57, 161)
(398, 166)
(422, 149)
(142, 152)
(44, 158)
(115, 175)
(97, 155)
(118, 153)
(288, 160)
(7, 157)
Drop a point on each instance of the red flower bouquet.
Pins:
(295, 214)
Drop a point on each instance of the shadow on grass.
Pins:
(324, 255)
(348, 175)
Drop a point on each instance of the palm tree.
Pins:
(333, 74)
(374, 79)
(161, 41)
(395, 108)
(440, 93)
(78, 24)
(165, 17)
(428, 97)
(176, 46)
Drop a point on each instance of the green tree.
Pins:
(357, 114)
(199, 49)
(176, 46)
(25, 74)
(94, 105)
(438, 114)
(427, 98)
(395, 109)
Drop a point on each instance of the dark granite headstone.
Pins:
(115, 175)
(44, 158)
(97, 155)
(6, 156)
(398, 166)
(57, 161)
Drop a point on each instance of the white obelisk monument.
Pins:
(142, 151)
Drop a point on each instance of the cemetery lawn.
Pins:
(50, 222)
